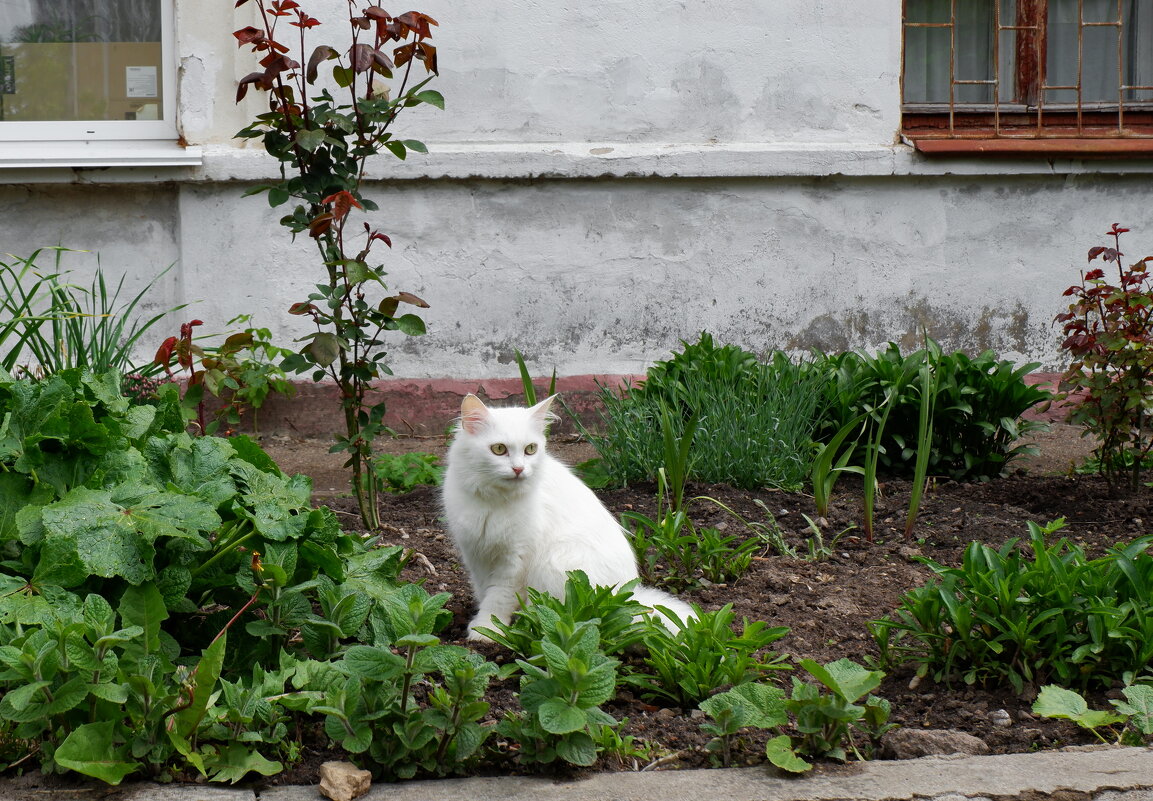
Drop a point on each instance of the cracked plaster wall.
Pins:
(611, 177)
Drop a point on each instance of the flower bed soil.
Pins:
(825, 604)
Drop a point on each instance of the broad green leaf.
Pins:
(779, 751)
(558, 716)
(410, 324)
(358, 272)
(1138, 704)
(278, 504)
(367, 662)
(310, 139)
(433, 98)
(1057, 702)
(844, 677)
(414, 145)
(235, 762)
(115, 693)
(323, 349)
(91, 749)
(578, 748)
(277, 196)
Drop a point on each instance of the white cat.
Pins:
(522, 519)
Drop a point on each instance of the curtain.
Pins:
(1091, 60)
(91, 21)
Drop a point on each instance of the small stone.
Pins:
(343, 781)
(697, 713)
(665, 713)
(1000, 718)
(906, 743)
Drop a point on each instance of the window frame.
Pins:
(108, 143)
(1034, 125)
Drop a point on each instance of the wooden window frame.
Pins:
(1025, 124)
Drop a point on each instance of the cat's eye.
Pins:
(530, 449)
(500, 449)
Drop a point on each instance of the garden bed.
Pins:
(825, 603)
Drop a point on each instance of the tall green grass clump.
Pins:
(975, 406)
(754, 420)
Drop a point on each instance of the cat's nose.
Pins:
(517, 471)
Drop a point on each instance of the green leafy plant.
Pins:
(1027, 615)
(1134, 713)
(826, 721)
(48, 325)
(704, 655)
(323, 145)
(1108, 332)
(750, 705)
(239, 371)
(561, 698)
(977, 403)
(403, 472)
(614, 610)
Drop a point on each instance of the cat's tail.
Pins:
(652, 598)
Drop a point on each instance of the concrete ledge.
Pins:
(1098, 773)
(1091, 771)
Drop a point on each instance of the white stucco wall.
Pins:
(611, 177)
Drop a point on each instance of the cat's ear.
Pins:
(541, 412)
(473, 414)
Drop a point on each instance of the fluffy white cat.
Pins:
(522, 519)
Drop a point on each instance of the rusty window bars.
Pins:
(1028, 68)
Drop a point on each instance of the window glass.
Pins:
(85, 61)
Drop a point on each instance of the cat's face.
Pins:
(506, 445)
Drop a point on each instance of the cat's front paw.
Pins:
(476, 636)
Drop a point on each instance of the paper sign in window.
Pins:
(140, 81)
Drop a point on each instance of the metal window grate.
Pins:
(1030, 68)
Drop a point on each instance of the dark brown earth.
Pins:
(826, 604)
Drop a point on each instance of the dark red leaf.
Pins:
(320, 224)
(361, 57)
(403, 54)
(1095, 252)
(1093, 275)
(164, 352)
(417, 22)
(341, 202)
(427, 54)
(249, 35)
(378, 235)
(304, 21)
(301, 307)
(377, 13)
(321, 53)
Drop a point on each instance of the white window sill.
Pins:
(98, 153)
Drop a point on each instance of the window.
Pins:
(85, 81)
(1013, 75)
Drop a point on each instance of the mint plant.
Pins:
(561, 698)
(615, 612)
(323, 145)
(1108, 332)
